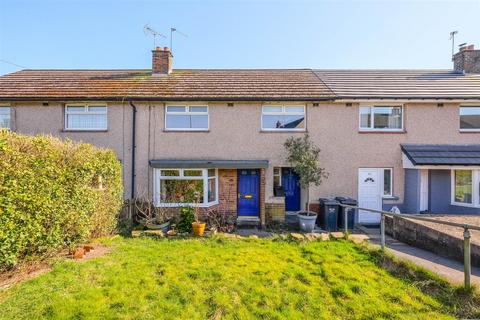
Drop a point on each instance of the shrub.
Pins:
(187, 217)
(54, 194)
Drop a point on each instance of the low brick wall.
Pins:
(430, 239)
(275, 212)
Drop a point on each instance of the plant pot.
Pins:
(163, 226)
(306, 221)
(198, 228)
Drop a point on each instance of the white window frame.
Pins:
(475, 188)
(86, 108)
(187, 113)
(387, 196)
(279, 175)
(285, 113)
(371, 127)
(9, 113)
(204, 177)
(467, 106)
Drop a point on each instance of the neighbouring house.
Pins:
(405, 138)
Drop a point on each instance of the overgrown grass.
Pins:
(225, 279)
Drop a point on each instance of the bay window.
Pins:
(191, 118)
(466, 187)
(86, 117)
(283, 118)
(470, 118)
(4, 117)
(381, 118)
(186, 187)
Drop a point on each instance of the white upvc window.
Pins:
(190, 118)
(5, 117)
(88, 117)
(469, 118)
(381, 118)
(186, 187)
(466, 187)
(283, 118)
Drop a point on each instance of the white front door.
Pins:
(369, 194)
(423, 190)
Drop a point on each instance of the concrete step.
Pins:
(248, 222)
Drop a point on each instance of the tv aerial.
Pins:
(452, 37)
(148, 30)
(172, 30)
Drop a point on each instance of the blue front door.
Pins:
(292, 189)
(248, 192)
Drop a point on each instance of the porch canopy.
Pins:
(438, 155)
(220, 164)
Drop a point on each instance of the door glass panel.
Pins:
(387, 182)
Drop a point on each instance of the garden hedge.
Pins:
(54, 194)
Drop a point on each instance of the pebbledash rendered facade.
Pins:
(405, 138)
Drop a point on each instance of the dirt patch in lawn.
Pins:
(33, 269)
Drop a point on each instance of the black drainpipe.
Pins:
(134, 146)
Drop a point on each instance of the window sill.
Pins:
(84, 130)
(185, 130)
(283, 131)
(179, 205)
(466, 205)
(382, 132)
(391, 198)
(469, 131)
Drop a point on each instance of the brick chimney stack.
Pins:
(467, 60)
(162, 61)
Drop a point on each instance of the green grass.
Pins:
(223, 279)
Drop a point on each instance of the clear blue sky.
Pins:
(235, 34)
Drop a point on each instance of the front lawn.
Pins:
(222, 279)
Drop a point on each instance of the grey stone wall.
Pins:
(423, 237)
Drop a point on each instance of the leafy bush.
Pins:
(187, 217)
(54, 194)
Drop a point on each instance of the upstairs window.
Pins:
(192, 118)
(86, 117)
(381, 118)
(470, 118)
(4, 117)
(283, 118)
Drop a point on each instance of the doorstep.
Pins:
(248, 221)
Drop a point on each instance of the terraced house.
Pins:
(405, 138)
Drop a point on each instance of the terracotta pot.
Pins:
(79, 253)
(198, 228)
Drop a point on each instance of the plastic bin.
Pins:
(351, 212)
(328, 216)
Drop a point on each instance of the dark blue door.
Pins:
(292, 189)
(248, 192)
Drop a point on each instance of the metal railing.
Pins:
(467, 267)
